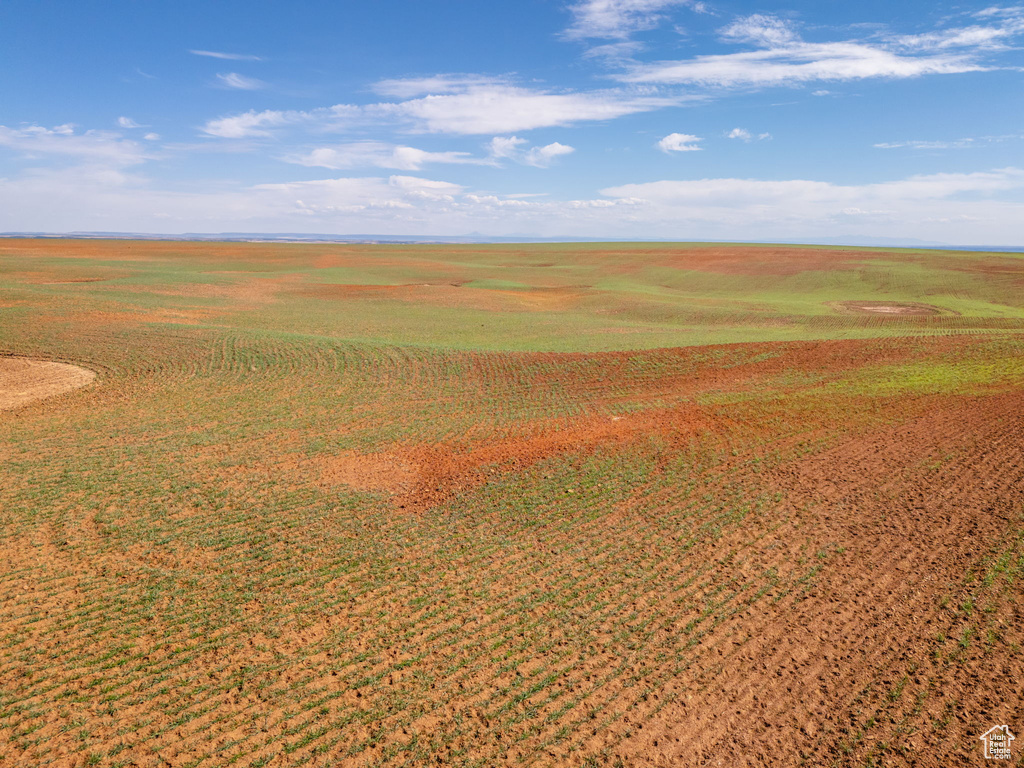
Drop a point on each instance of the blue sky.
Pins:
(674, 119)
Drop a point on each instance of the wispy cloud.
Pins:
(744, 135)
(1000, 10)
(127, 122)
(228, 56)
(466, 109)
(957, 144)
(515, 148)
(619, 19)
(253, 123)
(761, 30)
(782, 57)
(679, 142)
(378, 154)
(1002, 25)
(241, 82)
(965, 143)
(615, 54)
(409, 87)
(104, 147)
(502, 108)
(745, 192)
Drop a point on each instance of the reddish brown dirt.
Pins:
(370, 472)
(445, 471)
(811, 681)
(26, 381)
(423, 476)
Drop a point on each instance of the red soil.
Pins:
(809, 680)
(811, 673)
(434, 473)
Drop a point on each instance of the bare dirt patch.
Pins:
(890, 308)
(25, 381)
(369, 472)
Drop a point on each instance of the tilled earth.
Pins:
(248, 545)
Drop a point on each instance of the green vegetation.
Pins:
(577, 297)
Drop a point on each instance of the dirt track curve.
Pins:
(24, 381)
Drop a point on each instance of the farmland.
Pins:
(546, 505)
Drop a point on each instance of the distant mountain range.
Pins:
(475, 237)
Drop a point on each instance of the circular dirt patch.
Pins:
(25, 381)
(889, 308)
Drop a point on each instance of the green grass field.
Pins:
(586, 298)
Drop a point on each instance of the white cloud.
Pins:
(253, 123)
(615, 53)
(958, 208)
(152, 136)
(512, 148)
(92, 146)
(241, 82)
(127, 122)
(747, 136)
(968, 37)
(228, 56)
(474, 109)
(821, 92)
(500, 109)
(796, 64)
(1001, 11)
(783, 58)
(407, 88)
(1009, 22)
(618, 19)
(679, 142)
(964, 143)
(361, 154)
(506, 146)
(910, 208)
(767, 31)
(541, 157)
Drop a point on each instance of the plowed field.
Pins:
(566, 505)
